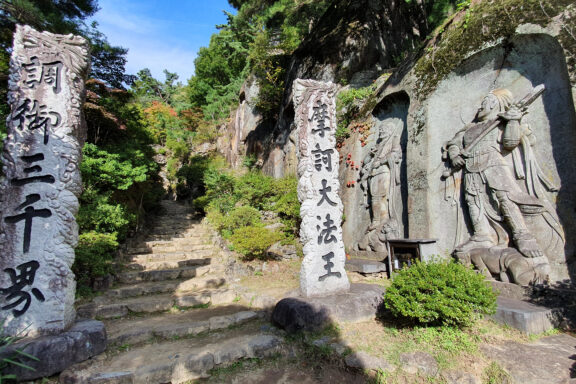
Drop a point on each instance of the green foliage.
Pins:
(447, 339)
(107, 62)
(106, 170)
(231, 221)
(17, 355)
(254, 188)
(286, 204)
(495, 374)
(94, 255)
(347, 108)
(252, 241)
(485, 21)
(98, 213)
(147, 89)
(444, 293)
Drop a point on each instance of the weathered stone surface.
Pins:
(547, 156)
(281, 251)
(39, 193)
(58, 352)
(363, 360)
(220, 322)
(457, 377)
(525, 316)
(362, 302)
(365, 266)
(113, 378)
(549, 360)
(321, 209)
(174, 362)
(419, 362)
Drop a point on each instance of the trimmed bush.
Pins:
(253, 242)
(440, 293)
(239, 217)
(94, 255)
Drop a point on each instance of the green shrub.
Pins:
(98, 213)
(238, 217)
(286, 203)
(252, 242)
(255, 189)
(435, 293)
(94, 255)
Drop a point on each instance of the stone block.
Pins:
(244, 316)
(363, 360)
(193, 300)
(361, 303)
(526, 317)
(419, 363)
(219, 322)
(82, 341)
(151, 306)
(550, 360)
(365, 266)
(112, 378)
(222, 296)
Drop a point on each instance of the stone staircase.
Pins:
(172, 317)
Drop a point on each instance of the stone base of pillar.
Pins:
(361, 303)
(85, 339)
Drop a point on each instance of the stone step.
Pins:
(174, 325)
(166, 246)
(163, 274)
(174, 234)
(155, 303)
(177, 361)
(164, 265)
(196, 252)
(173, 286)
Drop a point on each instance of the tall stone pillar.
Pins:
(322, 270)
(41, 184)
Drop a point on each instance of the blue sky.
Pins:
(161, 34)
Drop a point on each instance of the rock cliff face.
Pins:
(354, 42)
(429, 97)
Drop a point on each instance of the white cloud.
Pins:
(159, 57)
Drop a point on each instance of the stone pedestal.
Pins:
(360, 303)
(82, 341)
(526, 317)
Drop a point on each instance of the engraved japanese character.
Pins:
(328, 267)
(320, 115)
(324, 192)
(326, 235)
(30, 114)
(21, 279)
(29, 214)
(322, 157)
(36, 168)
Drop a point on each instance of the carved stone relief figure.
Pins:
(503, 184)
(380, 182)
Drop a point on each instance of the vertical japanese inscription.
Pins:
(318, 186)
(38, 195)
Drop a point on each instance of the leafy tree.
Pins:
(108, 62)
(147, 89)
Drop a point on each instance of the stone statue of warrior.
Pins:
(380, 178)
(502, 180)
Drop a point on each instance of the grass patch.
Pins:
(495, 374)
